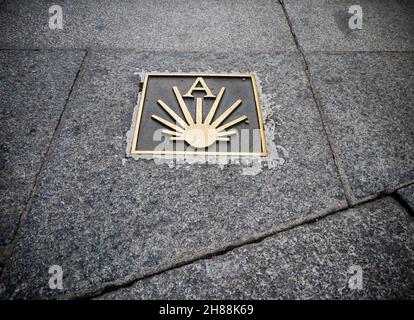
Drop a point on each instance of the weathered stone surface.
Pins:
(104, 218)
(308, 262)
(323, 25)
(5, 252)
(222, 25)
(368, 100)
(407, 194)
(34, 87)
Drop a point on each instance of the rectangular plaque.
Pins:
(186, 113)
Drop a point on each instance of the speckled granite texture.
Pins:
(336, 192)
(90, 192)
(308, 262)
(34, 87)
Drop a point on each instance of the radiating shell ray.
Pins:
(183, 106)
(173, 115)
(232, 123)
(171, 133)
(226, 133)
(213, 109)
(199, 111)
(167, 123)
(199, 134)
(226, 114)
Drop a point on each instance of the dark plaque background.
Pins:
(160, 87)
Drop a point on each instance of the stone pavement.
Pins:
(338, 102)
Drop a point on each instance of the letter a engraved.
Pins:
(203, 87)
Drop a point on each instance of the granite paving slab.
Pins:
(106, 219)
(4, 253)
(322, 25)
(407, 194)
(34, 87)
(218, 25)
(362, 253)
(368, 99)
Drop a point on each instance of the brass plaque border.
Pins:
(181, 74)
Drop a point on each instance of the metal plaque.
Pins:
(206, 114)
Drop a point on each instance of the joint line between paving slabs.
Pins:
(257, 238)
(351, 200)
(403, 203)
(130, 280)
(48, 152)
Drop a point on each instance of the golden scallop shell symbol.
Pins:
(199, 133)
